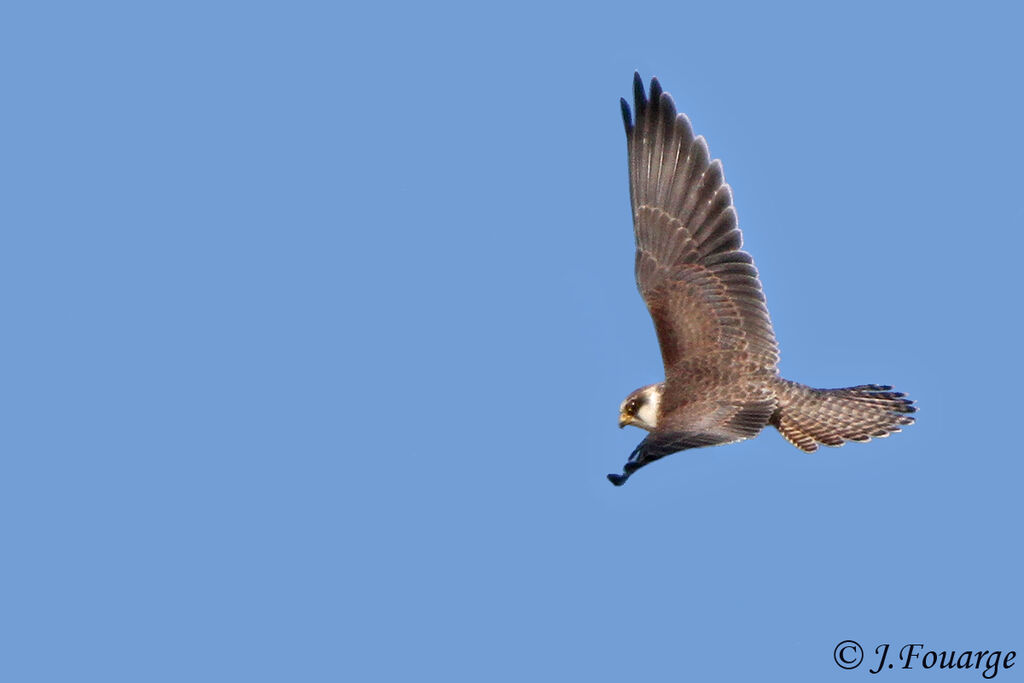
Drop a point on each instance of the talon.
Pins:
(618, 479)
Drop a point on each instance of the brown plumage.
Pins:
(703, 293)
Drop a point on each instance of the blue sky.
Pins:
(317, 321)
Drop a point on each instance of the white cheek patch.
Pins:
(648, 412)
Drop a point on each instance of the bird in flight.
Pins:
(722, 382)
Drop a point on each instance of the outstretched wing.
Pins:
(701, 289)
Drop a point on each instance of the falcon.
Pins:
(702, 290)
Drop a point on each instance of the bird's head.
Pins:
(640, 408)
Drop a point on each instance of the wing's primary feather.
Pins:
(702, 290)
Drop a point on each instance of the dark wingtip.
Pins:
(668, 109)
(627, 115)
(655, 91)
(618, 479)
(639, 96)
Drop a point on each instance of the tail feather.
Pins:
(807, 417)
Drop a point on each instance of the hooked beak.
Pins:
(624, 420)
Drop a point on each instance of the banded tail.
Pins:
(807, 417)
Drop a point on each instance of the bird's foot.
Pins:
(618, 479)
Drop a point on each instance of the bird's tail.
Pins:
(807, 417)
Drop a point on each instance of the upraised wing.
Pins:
(701, 289)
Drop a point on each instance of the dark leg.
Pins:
(634, 463)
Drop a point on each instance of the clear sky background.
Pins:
(317, 318)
